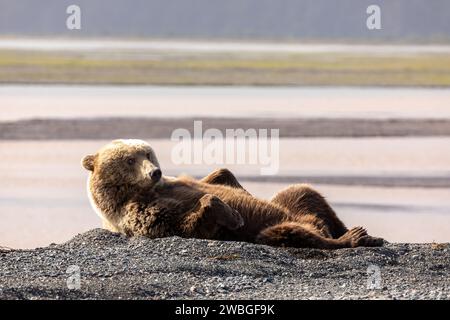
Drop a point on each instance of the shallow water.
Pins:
(47, 44)
(24, 102)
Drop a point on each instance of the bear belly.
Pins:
(258, 214)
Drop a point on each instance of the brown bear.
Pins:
(127, 189)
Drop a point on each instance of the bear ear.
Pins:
(88, 162)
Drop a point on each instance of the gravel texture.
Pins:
(115, 267)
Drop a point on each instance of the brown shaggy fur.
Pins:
(216, 207)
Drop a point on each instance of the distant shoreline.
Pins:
(162, 128)
(61, 43)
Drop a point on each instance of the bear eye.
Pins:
(131, 161)
(148, 156)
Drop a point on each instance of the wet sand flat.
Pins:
(65, 112)
(111, 128)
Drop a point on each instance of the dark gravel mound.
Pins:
(115, 267)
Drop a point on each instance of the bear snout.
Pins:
(155, 175)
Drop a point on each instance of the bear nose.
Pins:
(155, 175)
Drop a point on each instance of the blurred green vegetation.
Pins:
(225, 69)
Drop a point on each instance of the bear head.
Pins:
(124, 162)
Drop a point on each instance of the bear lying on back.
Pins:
(127, 189)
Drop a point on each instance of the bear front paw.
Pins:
(222, 213)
